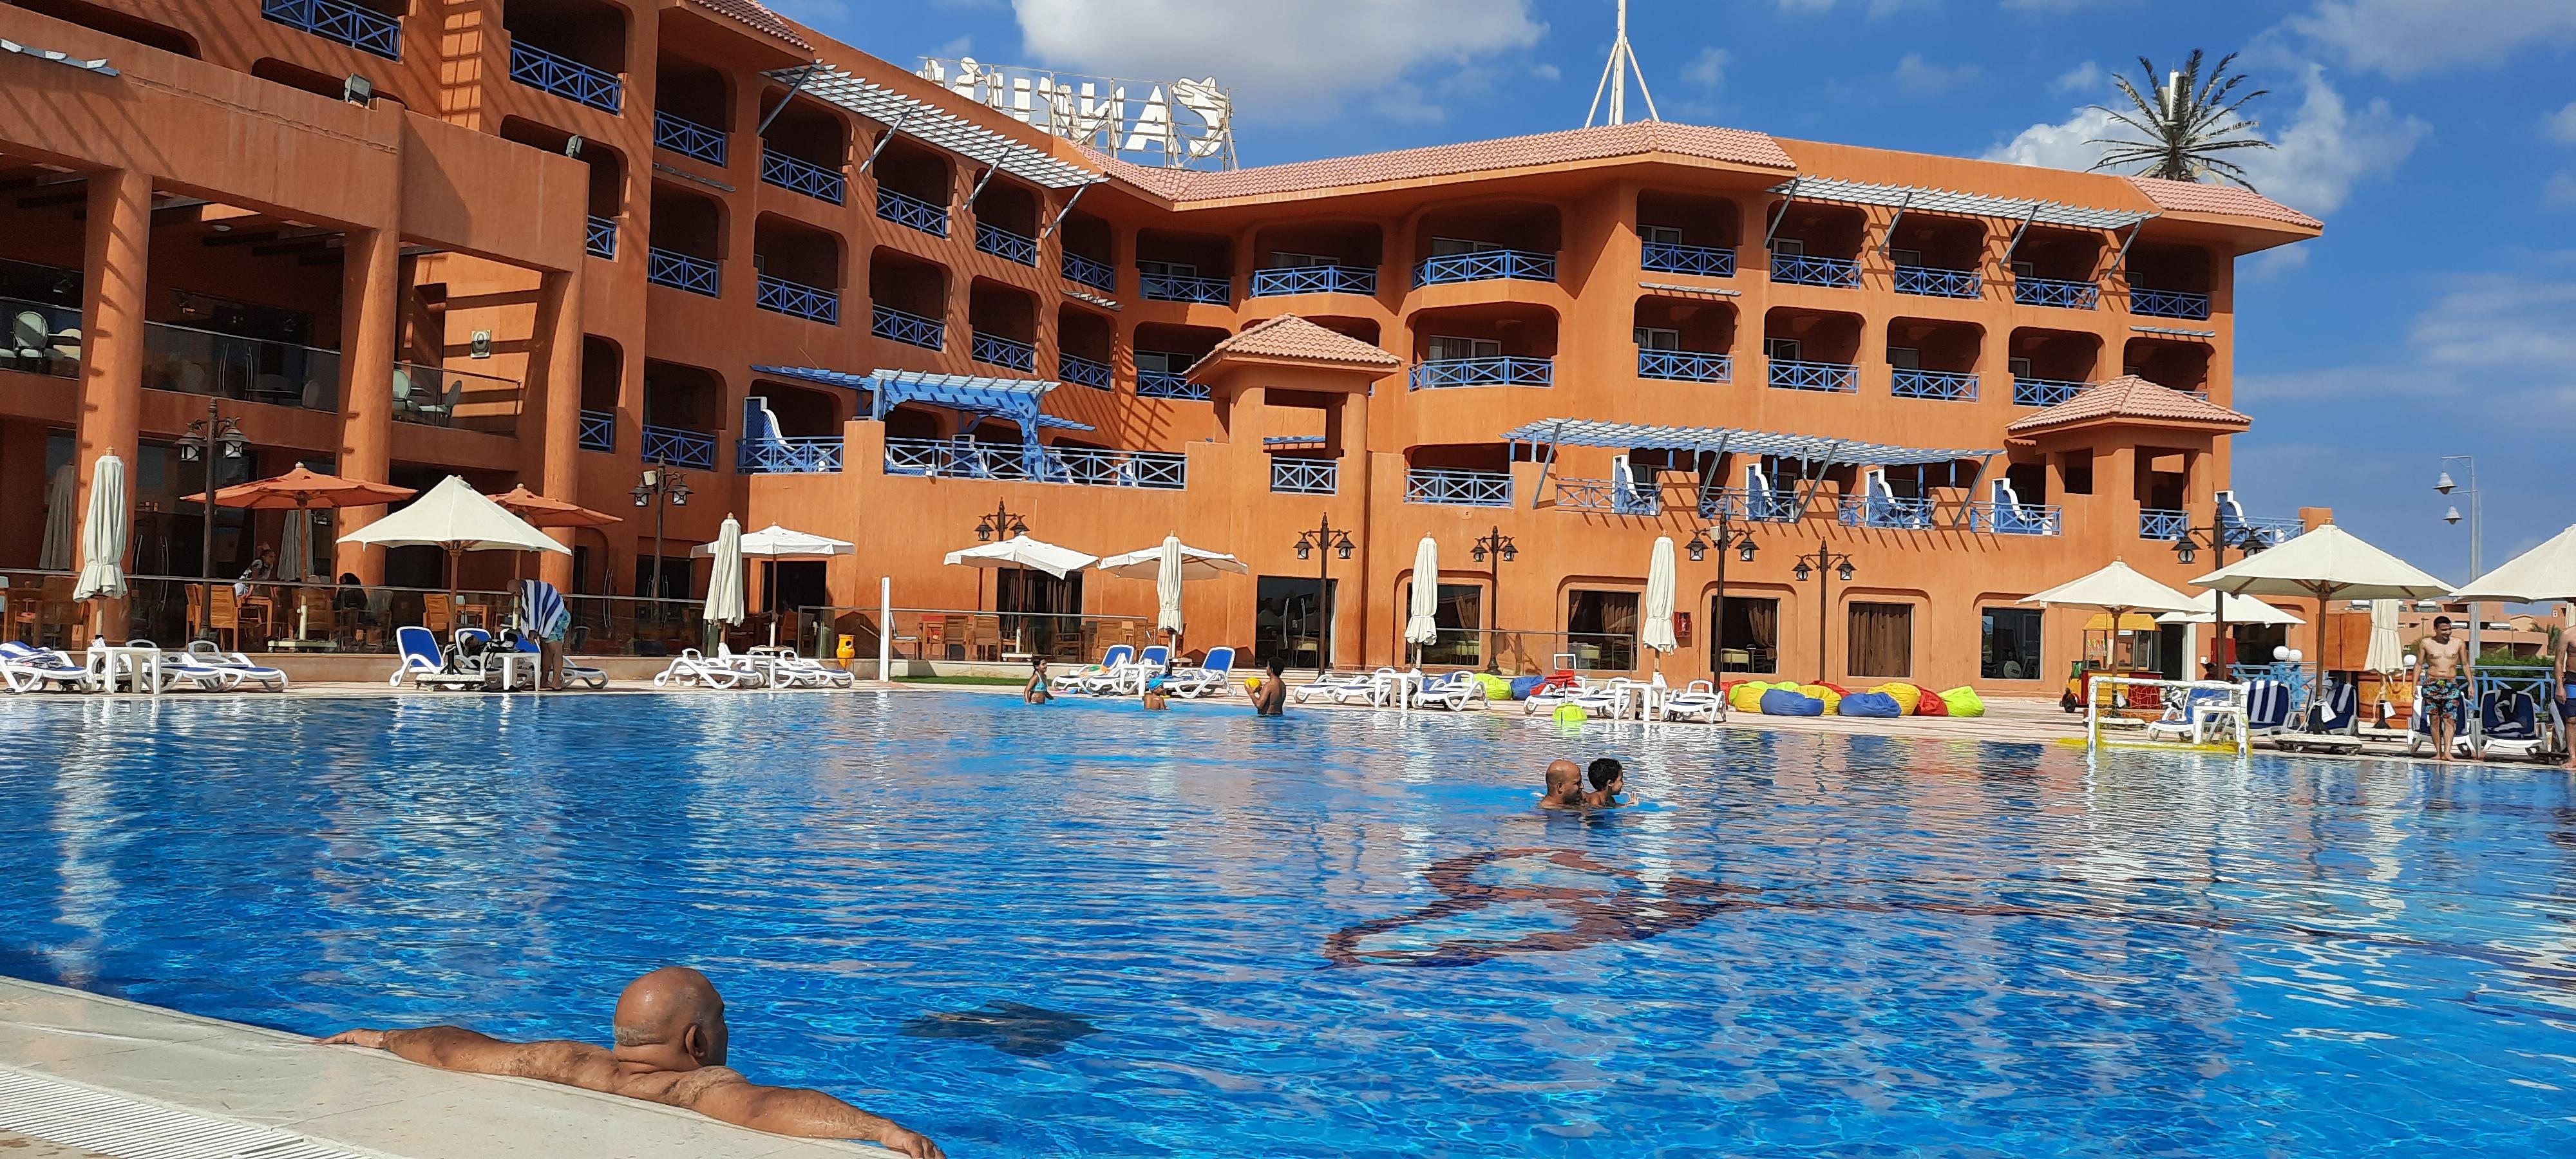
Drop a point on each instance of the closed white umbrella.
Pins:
(724, 576)
(1657, 632)
(457, 518)
(1422, 625)
(1197, 563)
(1022, 551)
(2542, 574)
(2387, 652)
(1167, 589)
(295, 548)
(103, 534)
(61, 495)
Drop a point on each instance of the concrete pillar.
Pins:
(1358, 482)
(116, 255)
(370, 309)
(555, 396)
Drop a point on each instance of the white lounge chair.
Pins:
(27, 668)
(1559, 691)
(796, 671)
(1332, 684)
(692, 667)
(1697, 700)
(1610, 699)
(1129, 679)
(1077, 680)
(2176, 724)
(1212, 679)
(1454, 691)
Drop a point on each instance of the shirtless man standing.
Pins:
(2566, 665)
(2443, 680)
(670, 1033)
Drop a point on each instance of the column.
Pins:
(1357, 484)
(115, 255)
(555, 394)
(370, 308)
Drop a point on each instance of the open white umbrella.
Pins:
(457, 518)
(1422, 625)
(1022, 551)
(2542, 574)
(1167, 589)
(103, 536)
(773, 543)
(2240, 610)
(2328, 563)
(2117, 589)
(1657, 632)
(62, 494)
(724, 575)
(1197, 563)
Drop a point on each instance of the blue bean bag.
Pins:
(1872, 704)
(1521, 686)
(1783, 702)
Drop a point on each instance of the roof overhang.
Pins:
(1647, 436)
(1016, 399)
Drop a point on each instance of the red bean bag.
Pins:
(1929, 703)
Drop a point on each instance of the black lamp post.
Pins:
(1728, 539)
(1497, 548)
(1006, 525)
(2217, 537)
(1322, 544)
(661, 489)
(1841, 567)
(206, 439)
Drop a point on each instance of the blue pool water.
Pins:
(1198, 933)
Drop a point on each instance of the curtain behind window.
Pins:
(1882, 640)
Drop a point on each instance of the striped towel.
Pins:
(542, 614)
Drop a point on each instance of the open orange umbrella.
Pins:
(540, 511)
(303, 489)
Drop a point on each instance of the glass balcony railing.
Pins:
(1289, 476)
(1185, 288)
(1096, 274)
(1003, 244)
(439, 396)
(679, 447)
(908, 210)
(1934, 282)
(1804, 270)
(1944, 385)
(565, 77)
(1080, 371)
(1004, 352)
(798, 175)
(360, 28)
(194, 361)
(1685, 366)
(1458, 488)
(2028, 391)
(1833, 377)
(688, 138)
(812, 303)
(37, 338)
(601, 242)
(1314, 280)
(598, 430)
(1501, 370)
(788, 456)
(2056, 292)
(908, 328)
(1484, 265)
(1165, 384)
(2168, 303)
(681, 272)
(1675, 258)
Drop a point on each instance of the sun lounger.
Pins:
(1611, 699)
(2178, 724)
(26, 668)
(1697, 700)
(1129, 679)
(238, 664)
(426, 665)
(1334, 685)
(2267, 708)
(1559, 689)
(1454, 691)
(1078, 679)
(2333, 725)
(2510, 726)
(692, 667)
(2419, 730)
(1212, 679)
(796, 671)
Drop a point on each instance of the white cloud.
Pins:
(1876, 7)
(1294, 60)
(1917, 75)
(2087, 75)
(1708, 69)
(2407, 37)
(2059, 146)
(2561, 125)
(2561, 191)
(1546, 72)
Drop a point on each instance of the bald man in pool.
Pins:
(1564, 786)
(670, 1048)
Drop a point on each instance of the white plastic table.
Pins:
(510, 662)
(134, 662)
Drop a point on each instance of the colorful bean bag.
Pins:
(1839, 690)
(1496, 687)
(1930, 703)
(1963, 701)
(1784, 702)
(1876, 705)
(1832, 696)
(1905, 695)
(1746, 696)
(1522, 685)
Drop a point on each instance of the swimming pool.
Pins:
(1086, 929)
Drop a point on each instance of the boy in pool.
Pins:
(1036, 692)
(1608, 777)
(1154, 695)
(1564, 786)
(1272, 699)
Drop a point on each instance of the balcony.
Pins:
(2168, 303)
(2014, 518)
(193, 361)
(1095, 274)
(1802, 270)
(1080, 371)
(967, 459)
(1185, 288)
(681, 272)
(1685, 366)
(688, 138)
(801, 301)
(1674, 258)
(1934, 282)
(1305, 476)
(565, 77)
(814, 456)
(1004, 244)
(435, 396)
(2029, 391)
(798, 175)
(908, 210)
(680, 448)
(1943, 385)
(598, 431)
(1885, 512)
(359, 28)
(1499, 370)
(1770, 506)
(1831, 377)
(601, 242)
(2056, 292)
(908, 328)
(1458, 488)
(1484, 266)
(1000, 351)
(1314, 280)
(38, 338)
(1606, 496)
(1165, 384)
(2163, 523)
(2271, 532)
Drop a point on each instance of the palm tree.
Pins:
(2187, 123)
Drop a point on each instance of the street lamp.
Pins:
(1323, 543)
(1002, 523)
(2445, 486)
(1499, 548)
(1842, 569)
(204, 440)
(1728, 540)
(2217, 537)
(662, 488)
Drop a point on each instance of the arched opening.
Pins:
(1487, 344)
(1937, 256)
(1685, 339)
(2177, 364)
(2050, 366)
(1164, 353)
(1524, 227)
(1317, 257)
(603, 375)
(1005, 322)
(1086, 342)
(681, 414)
(909, 298)
(1934, 359)
(913, 186)
(806, 148)
(687, 240)
(911, 421)
(1010, 206)
(1688, 233)
(1088, 245)
(2169, 281)
(1811, 349)
(1172, 266)
(802, 412)
(586, 32)
(1818, 245)
(692, 107)
(799, 268)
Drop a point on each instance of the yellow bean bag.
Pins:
(1833, 700)
(1497, 688)
(1747, 697)
(1907, 695)
(1963, 701)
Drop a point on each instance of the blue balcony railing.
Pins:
(802, 456)
(1165, 384)
(680, 448)
(906, 209)
(966, 459)
(1096, 274)
(2056, 292)
(1080, 371)
(1675, 258)
(1484, 265)
(601, 242)
(798, 175)
(1001, 351)
(2014, 518)
(1836, 377)
(2029, 391)
(598, 431)
(1314, 280)
(2163, 523)
(1685, 366)
(565, 77)
(800, 300)
(1803, 270)
(1305, 476)
(360, 28)
(1004, 244)
(681, 272)
(1945, 385)
(688, 138)
(2272, 532)
(1458, 488)
(908, 328)
(1775, 505)
(1606, 496)
(1885, 511)
(1185, 288)
(2168, 303)
(1499, 370)
(1934, 282)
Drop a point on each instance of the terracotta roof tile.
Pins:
(1736, 146)
(1291, 337)
(2130, 397)
(756, 15)
(2194, 197)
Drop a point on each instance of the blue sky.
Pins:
(2437, 138)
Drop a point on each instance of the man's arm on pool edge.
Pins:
(455, 1048)
(796, 1111)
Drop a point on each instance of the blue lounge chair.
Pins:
(1214, 678)
(2332, 724)
(2267, 708)
(2419, 730)
(1079, 680)
(419, 651)
(25, 667)
(2510, 726)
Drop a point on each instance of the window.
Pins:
(1601, 629)
(1882, 640)
(1445, 347)
(1659, 235)
(1905, 358)
(2011, 644)
(1658, 338)
(1788, 247)
(2025, 270)
(1461, 621)
(1780, 349)
(1444, 246)
(1154, 362)
(1167, 269)
(1906, 257)
(1284, 260)
(2020, 367)
(1748, 634)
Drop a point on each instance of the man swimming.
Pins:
(1272, 700)
(669, 1029)
(2444, 674)
(1608, 777)
(1564, 786)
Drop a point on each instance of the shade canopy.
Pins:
(1657, 631)
(1570, 432)
(541, 511)
(1422, 624)
(104, 532)
(1196, 563)
(304, 489)
(1167, 586)
(2117, 587)
(724, 575)
(2328, 563)
(1022, 551)
(2546, 572)
(2240, 610)
(776, 542)
(455, 516)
